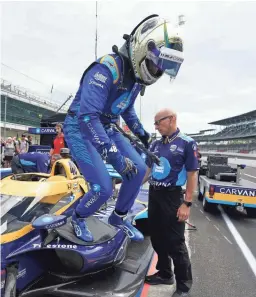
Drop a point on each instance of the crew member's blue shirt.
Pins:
(35, 162)
(178, 155)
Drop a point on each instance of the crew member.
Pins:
(59, 141)
(108, 89)
(168, 209)
(33, 162)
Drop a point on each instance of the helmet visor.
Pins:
(166, 59)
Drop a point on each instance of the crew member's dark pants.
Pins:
(167, 235)
(16, 166)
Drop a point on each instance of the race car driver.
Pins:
(108, 89)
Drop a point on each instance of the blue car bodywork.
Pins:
(41, 256)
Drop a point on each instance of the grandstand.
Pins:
(238, 134)
(21, 109)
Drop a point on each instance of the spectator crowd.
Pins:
(14, 146)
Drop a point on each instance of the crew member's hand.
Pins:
(183, 213)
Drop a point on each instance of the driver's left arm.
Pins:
(131, 119)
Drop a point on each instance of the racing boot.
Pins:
(81, 230)
(121, 222)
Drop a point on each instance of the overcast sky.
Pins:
(53, 42)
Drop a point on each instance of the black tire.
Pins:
(208, 207)
(11, 280)
(251, 212)
(200, 196)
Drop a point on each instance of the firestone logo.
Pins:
(53, 246)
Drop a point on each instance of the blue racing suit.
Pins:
(31, 162)
(107, 90)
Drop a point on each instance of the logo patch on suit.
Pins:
(86, 119)
(121, 103)
(93, 82)
(173, 147)
(96, 188)
(110, 62)
(100, 77)
(162, 171)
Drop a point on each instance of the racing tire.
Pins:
(200, 196)
(11, 280)
(251, 212)
(208, 207)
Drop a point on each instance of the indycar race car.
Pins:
(40, 254)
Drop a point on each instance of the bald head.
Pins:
(165, 121)
(165, 113)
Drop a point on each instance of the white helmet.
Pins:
(154, 47)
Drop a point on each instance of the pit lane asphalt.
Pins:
(219, 266)
(249, 173)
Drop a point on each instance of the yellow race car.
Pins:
(35, 194)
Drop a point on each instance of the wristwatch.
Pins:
(187, 203)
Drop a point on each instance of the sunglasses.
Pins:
(157, 123)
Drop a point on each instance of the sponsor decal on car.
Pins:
(239, 192)
(53, 246)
